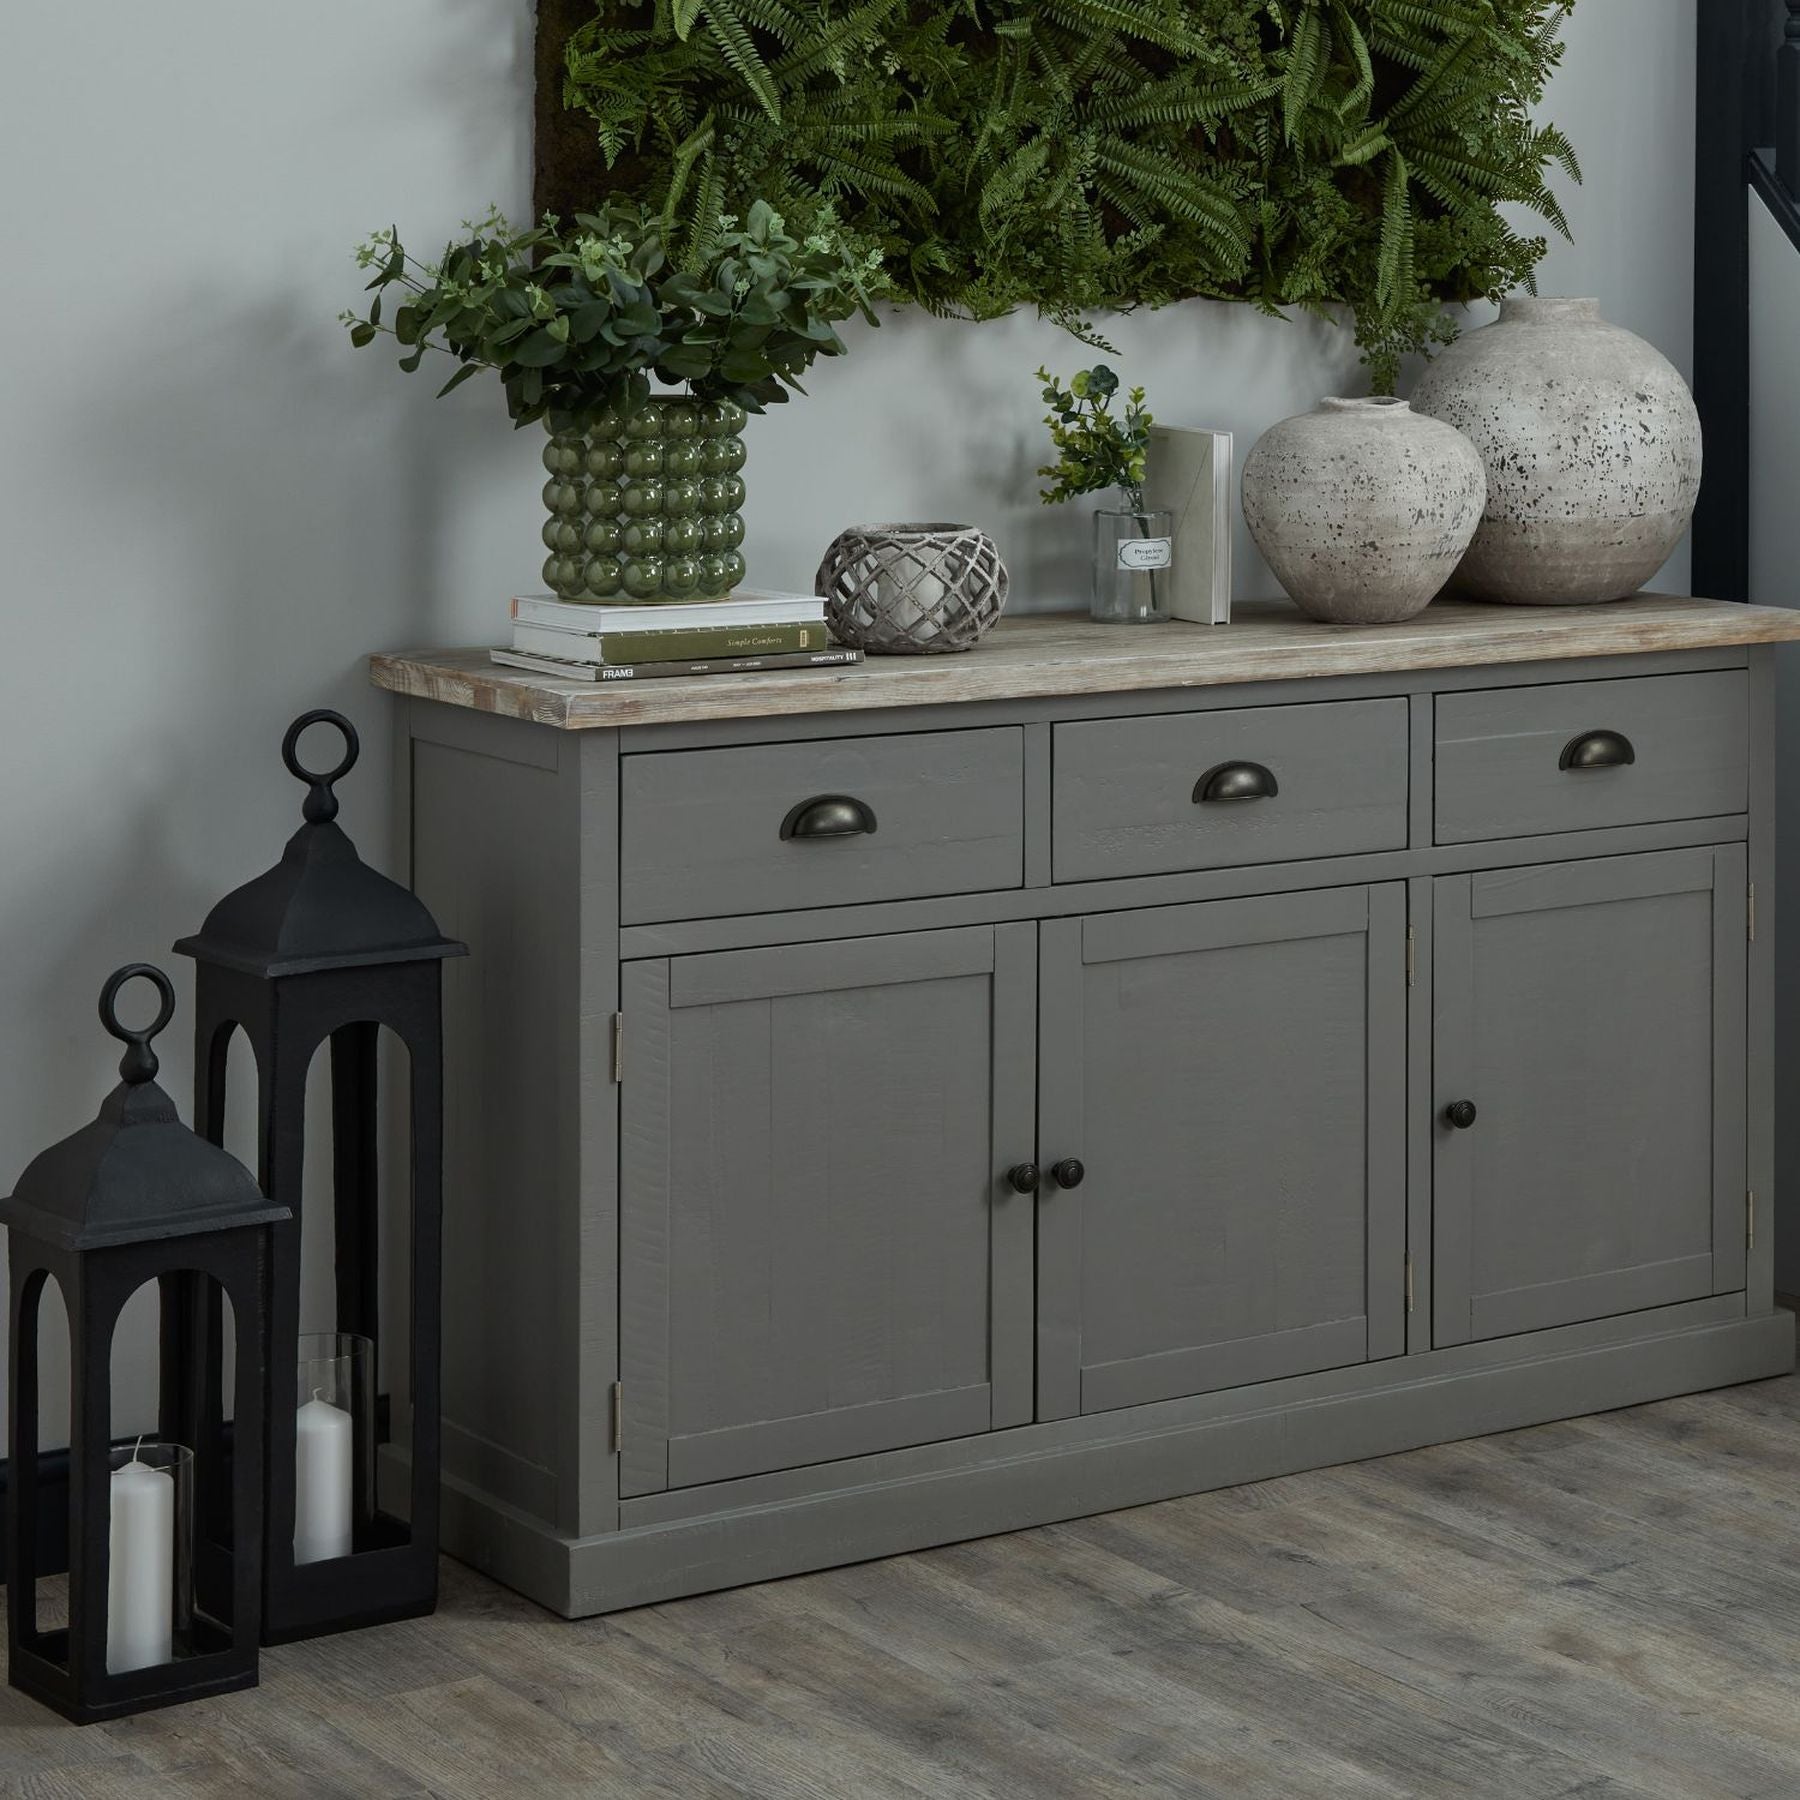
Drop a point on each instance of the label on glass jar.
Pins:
(1146, 553)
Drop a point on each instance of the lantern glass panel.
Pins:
(239, 1124)
(135, 1363)
(50, 1595)
(318, 1209)
(393, 1372)
(150, 1555)
(356, 1266)
(228, 1367)
(201, 1473)
(334, 1445)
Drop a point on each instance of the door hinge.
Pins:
(618, 1047)
(1750, 913)
(1412, 957)
(618, 1416)
(1750, 1219)
(1409, 1281)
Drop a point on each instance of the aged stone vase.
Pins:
(644, 505)
(1592, 447)
(1362, 508)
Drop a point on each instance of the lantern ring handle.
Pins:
(139, 1061)
(321, 802)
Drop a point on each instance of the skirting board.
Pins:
(53, 1512)
(1038, 1474)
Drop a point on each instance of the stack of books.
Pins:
(745, 635)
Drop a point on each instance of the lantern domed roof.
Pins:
(321, 906)
(136, 1173)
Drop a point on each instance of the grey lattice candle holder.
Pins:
(912, 590)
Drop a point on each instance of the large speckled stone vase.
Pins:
(1592, 446)
(1362, 508)
(645, 505)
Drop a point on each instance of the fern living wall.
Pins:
(1079, 155)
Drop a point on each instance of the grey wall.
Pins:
(211, 510)
(1625, 95)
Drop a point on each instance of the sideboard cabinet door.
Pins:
(821, 1255)
(1231, 1078)
(1593, 1014)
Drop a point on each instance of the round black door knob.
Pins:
(1068, 1173)
(1460, 1114)
(1023, 1178)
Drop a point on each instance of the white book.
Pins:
(747, 606)
(566, 670)
(1189, 475)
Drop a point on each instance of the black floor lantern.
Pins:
(165, 1537)
(322, 949)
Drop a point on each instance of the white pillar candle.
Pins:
(324, 1459)
(140, 1577)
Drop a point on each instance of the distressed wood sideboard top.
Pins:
(1058, 654)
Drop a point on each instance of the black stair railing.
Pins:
(1787, 101)
(1747, 69)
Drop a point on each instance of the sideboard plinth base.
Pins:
(761, 1529)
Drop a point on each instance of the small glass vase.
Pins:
(334, 1445)
(1132, 556)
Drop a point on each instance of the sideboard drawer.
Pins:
(1214, 790)
(1516, 762)
(771, 827)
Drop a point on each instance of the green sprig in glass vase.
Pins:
(645, 502)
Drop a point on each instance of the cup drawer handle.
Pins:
(829, 816)
(1597, 750)
(1236, 781)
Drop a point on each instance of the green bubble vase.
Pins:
(644, 506)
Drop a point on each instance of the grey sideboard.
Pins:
(892, 1105)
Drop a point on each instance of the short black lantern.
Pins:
(164, 1588)
(320, 950)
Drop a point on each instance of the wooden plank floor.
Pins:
(1608, 1607)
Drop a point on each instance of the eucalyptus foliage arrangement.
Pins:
(644, 494)
(1097, 449)
(577, 320)
(1080, 154)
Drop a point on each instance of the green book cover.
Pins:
(699, 643)
(685, 644)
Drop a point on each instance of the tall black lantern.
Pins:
(165, 1539)
(322, 949)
